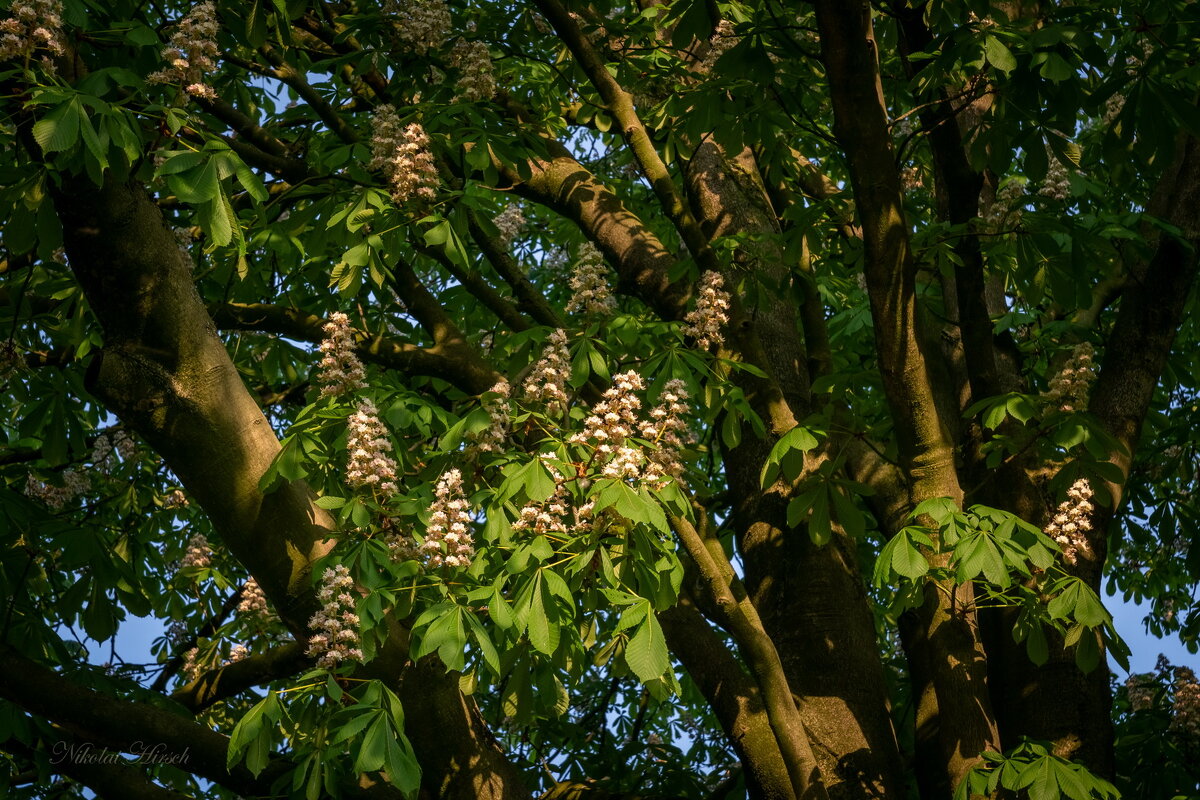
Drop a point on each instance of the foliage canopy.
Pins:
(677, 399)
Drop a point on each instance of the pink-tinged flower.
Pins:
(371, 465)
(591, 293)
(334, 628)
(339, 371)
(191, 56)
(712, 306)
(448, 541)
(1072, 521)
(401, 152)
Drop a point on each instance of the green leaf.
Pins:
(59, 129)
(543, 633)
(906, 559)
(646, 652)
(787, 456)
(254, 727)
(373, 749)
(998, 55)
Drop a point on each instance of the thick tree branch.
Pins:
(108, 781)
(165, 373)
(231, 679)
(438, 360)
(926, 446)
(733, 695)
(740, 618)
(620, 105)
(640, 258)
(122, 724)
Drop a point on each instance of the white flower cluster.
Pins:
(491, 439)
(550, 516)
(238, 653)
(1112, 109)
(1072, 521)
(711, 312)
(104, 447)
(591, 293)
(177, 632)
(1070, 385)
(175, 499)
(474, 64)
(1187, 703)
(335, 626)
(547, 383)
(32, 24)
(1007, 205)
(510, 222)
(191, 669)
(401, 545)
(340, 370)
(199, 554)
(371, 464)
(1057, 183)
(74, 484)
(1141, 690)
(666, 429)
(253, 602)
(911, 179)
(612, 421)
(401, 153)
(420, 25)
(448, 537)
(545, 518)
(721, 42)
(192, 52)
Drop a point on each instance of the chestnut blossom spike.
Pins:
(238, 653)
(340, 371)
(721, 42)
(401, 153)
(199, 555)
(474, 63)
(33, 25)
(74, 485)
(666, 430)
(1070, 386)
(335, 638)
(125, 445)
(371, 465)
(448, 540)
(1057, 183)
(191, 55)
(1006, 208)
(1072, 521)
(509, 222)
(492, 438)
(547, 383)
(1140, 690)
(1186, 703)
(254, 601)
(102, 453)
(615, 417)
(420, 25)
(191, 669)
(591, 293)
(712, 311)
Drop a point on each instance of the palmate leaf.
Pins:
(59, 130)
(646, 651)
